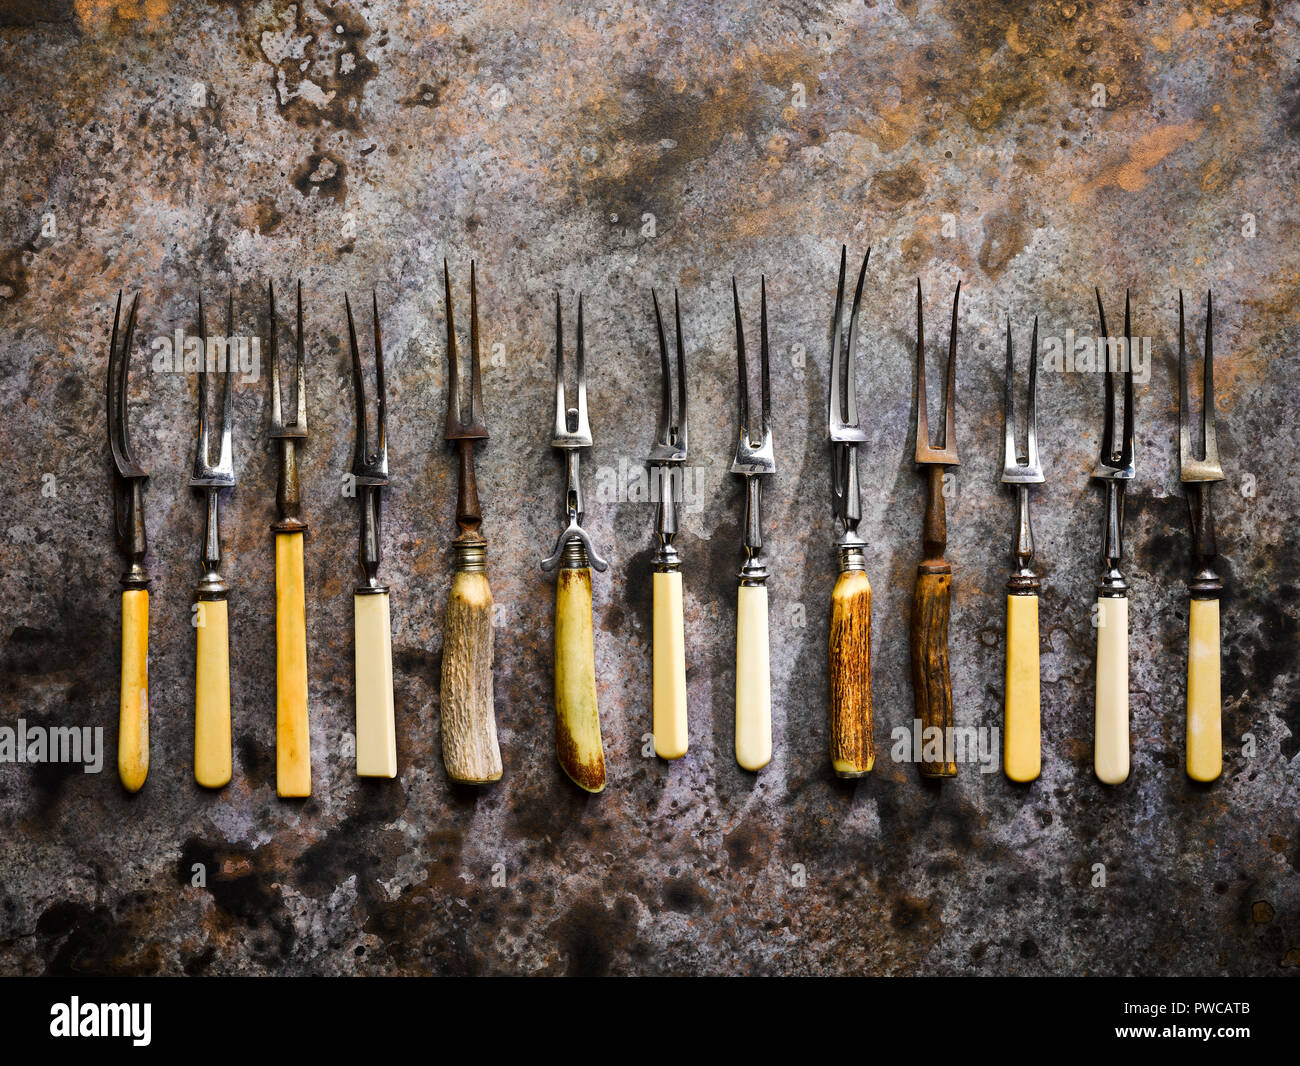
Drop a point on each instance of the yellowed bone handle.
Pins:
(292, 730)
(753, 679)
(469, 726)
(376, 730)
(577, 722)
(1204, 707)
(1021, 742)
(133, 702)
(670, 723)
(212, 695)
(1111, 726)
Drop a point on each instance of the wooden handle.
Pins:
(1021, 745)
(853, 747)
(469, 726)
(931, 686)
(292, 732)
(212, 695)
(376, 732)
(670, 725)
(577, 723)
(1110, 753)
(133, 701)
(1204, 710)
(753, 679)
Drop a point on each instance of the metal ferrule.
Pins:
(852, 557)
(754, 571)
(666, 558)
(575, 555)
(1205, 584)
(1024, 582)
(213, 586)
(471, 558)
(1112, 582)
(288, 499)
(369, 554)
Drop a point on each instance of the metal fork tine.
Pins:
(767, 391)
(359, 382)
(561, 412)
(834, 404)
(475, 377)
(1010, 454)
(850, 362)
(381, 449)
(582, 370)
(453, 357)
(663, 430)
(227, 405)
(1185, 454)
(922, 401)
(1209, 435)
(741, 364)
(273, 346)
(950, 383)
(1032, 428)
(1108, 426)
(300, 384)
(128, 341)
(1127, 446)
(682, 425)
(203, 384)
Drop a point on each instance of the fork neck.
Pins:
(666, 559)
(1112, 582)
(213, 586)
(754, 570)
(1205, 584)
(1024, 582)
(369, 553)
(288, 495)
(128, 504)
(469, 515)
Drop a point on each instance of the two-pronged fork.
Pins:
(1198, 473)
(212, 759)
(754, 460)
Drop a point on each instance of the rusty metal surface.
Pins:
(181, 146)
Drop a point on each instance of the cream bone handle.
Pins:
(376, 732)
(753, 679)
(470, 750)
(1111, 727)
(1021, 746)
(133, 699)
(212, 693)
(669, 652)
(292, 729)
(577, 722)
(1204, 707)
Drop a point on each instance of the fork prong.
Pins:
(1108, 426)
(1010, 455)
(300, 374)
(128, 342)
(834, 404)
(663, 430)
(226, 464)
(273, 352)
(475, 375)
(111, 388)
(682, 424)
(1185, 454)
(582, 369)
(1127, 445)
(1209, 436)
(950, 383)
(922, 402)
(1031, 429)
(202, 451)
(359, 386)
(381, 449)
(763, 354)
(454, 424)
(740, 363)
(850, 409)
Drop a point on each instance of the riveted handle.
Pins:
(376, 732)
(670, 724)
(292, 731)
(753, 679)
(853, 748)
(1204, 708)
(133, 702)
(931, 685)
(1111, 742)
(469, 728)
(1021, 744)
(212, 695)
(577, 723)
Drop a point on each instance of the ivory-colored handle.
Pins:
(577, 723)
(1021, 742)
(212, 695)
(133, 700)
(376, 732)
(670, 728)
(1111, 746)
(1204, 709)
(469, 726)
(292, 731)
(853, 747)
(753, 680)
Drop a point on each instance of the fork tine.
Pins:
(922, 401)
(682, 425)
(740, 362)
(381, 450)
(1127, 445)
(203, 385)
(850, 369)
(1185, 455)
(834, 404)
(1032, 428)
(111, 387)
(1010, 456)
(475, 378)
(453, 358)
(359, 384)
(300, 385)
(1209, 434)
(227, 381)
(273, 346)
(582, 370)
(767, 391)
(663, 431)
(1108, 426)
(950, 383)
(128, 342)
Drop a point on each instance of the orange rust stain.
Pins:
(98, 14)
(1132, 173)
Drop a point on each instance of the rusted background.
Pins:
(187, 146)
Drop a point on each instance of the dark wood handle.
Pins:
(931, 685)
(853, 748)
